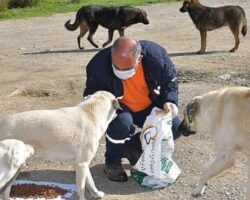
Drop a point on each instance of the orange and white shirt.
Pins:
(136, 92)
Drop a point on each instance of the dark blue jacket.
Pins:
(160, 74)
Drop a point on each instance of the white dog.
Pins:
(66, 133)
(225, 115)
(13, 154)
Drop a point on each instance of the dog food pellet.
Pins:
(36, 191)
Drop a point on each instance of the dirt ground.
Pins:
(42, 68)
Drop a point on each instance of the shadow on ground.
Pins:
(194, 53)
(62, 51)
(101, 181)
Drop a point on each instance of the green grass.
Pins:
(48, 7)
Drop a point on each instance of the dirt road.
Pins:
(42, 68)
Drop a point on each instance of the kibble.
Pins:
(36, 191)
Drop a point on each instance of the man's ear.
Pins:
(140, 58)
(116, 104)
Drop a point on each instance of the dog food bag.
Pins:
(156, 168)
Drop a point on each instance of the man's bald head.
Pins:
(125, 53)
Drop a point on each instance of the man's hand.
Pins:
(172, 107)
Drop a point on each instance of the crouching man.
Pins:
(142, 75)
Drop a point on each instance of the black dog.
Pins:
(208, 18)
(112, 18)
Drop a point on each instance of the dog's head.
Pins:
(101, 103)
(135, 15)
(17, 152)
(189, 124)
(142, 16)
(187, 4)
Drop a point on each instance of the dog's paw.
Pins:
(232, 50)
(74, 197)
(200, 52)
(98, 195)
(198, 190)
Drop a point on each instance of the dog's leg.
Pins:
(224, 159)
(81, 172)
(83, 175)
(1, 196)
(83, 31)
(6, 193)
(203, 35)
(111, 33)
(121, 32)
(91, 186)
(248, 180)
(236, 32)
(92, 31)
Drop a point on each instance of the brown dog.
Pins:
(208, 18)
(112, 18)
(224, 115)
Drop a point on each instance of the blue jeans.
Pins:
(122, 129)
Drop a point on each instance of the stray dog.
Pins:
(13, 154)
(225, 115)
(208, 19)
(112, 18)
(66, 133)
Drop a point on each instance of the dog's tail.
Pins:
(72, 27)
(244, 30)
(244, 27)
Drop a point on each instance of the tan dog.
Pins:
(66, 133)
(225, 115)
(208, 18)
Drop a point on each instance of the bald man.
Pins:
(142, 76)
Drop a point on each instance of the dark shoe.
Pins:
(115, 172)
(133, 154)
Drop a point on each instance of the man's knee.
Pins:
(121, 127)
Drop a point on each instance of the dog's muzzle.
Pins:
(146, 21)
(184, 130)
(183, 9)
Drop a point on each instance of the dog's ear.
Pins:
(192, 109)
(195, 1)
(131, 14)
(116, 104)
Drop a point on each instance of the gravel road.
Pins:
(42, 68)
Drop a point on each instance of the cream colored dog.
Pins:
(13, 155)
(225, 115)
(66, 133)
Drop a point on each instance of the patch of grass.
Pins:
(21, 3)
(48, 7)
(10, 4)
(3, 5)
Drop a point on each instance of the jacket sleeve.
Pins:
(169, 82)
(96, 72)
(160, 74)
